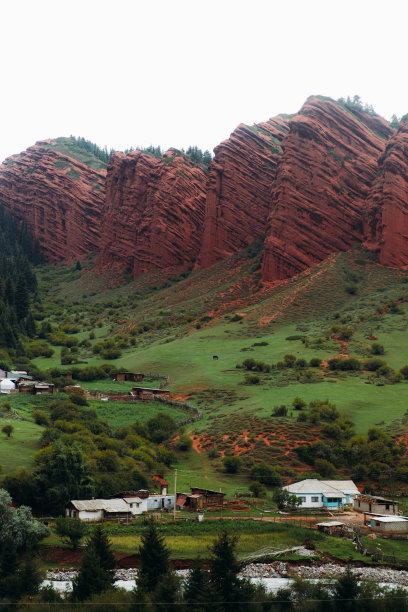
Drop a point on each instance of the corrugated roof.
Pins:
(311, 485)
(181, 500)
(346, 486)
(93, 505)
(390, 519)
(133, 500)
(330, 524)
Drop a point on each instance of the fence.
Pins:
(186, 406)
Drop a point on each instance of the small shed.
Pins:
(136, 504)
(389, 524)
(147, 394)
(332, 527)
(375, 504)
(200, 499)
(127, 377)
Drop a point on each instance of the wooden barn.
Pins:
(34, 387)
(146, 393)
(128, 377)
(201, 499)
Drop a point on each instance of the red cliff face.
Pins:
(154, 212)
(60, 199)
(238, 190)
(328, 164)
(387, 204)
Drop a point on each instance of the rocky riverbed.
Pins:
(276, 569)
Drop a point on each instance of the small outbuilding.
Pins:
(98, 509)
(389, 524)
(375, 504)
(201, 499)
(127, 377)
(147, 394)
(332, 527)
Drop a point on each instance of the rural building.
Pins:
(146, 393)
(389, 524)
(127, 377)
(201, 499)
(375, 504)
(160, 502)
(34, 387)
(98, 509)
(315, 493)
(136, 504)
(332, 527)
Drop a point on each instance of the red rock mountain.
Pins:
(328, 164)
(60, 198)
(154, 212)
(386, 226)
(239, 186)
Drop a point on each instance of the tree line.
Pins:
(18, 282)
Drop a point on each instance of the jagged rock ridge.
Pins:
(324, 175)
(60, 199)
(238, 190)
(154, 212)
(386, 222)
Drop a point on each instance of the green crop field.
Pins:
(118, 414)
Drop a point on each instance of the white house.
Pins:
(315, 493)
(136, 504)
(98, 509)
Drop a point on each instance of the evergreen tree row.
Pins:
(18, 282)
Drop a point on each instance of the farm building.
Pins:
(145, 393)
(136, 504)
(34, 387)
(375, 504)
(389, 524)
(98, 509)
(315, 493)
(332, 527)
(201, 499)
(127, 377)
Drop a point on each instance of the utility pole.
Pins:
(175, 494)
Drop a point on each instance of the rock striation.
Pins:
(328, 164)
(60, 199)
(386, 222)
(154, 212)
(239, 187)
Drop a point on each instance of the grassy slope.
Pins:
(17, 451)
(306, 305)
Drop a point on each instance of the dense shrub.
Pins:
(232, 464)
(374, 364)
(266, 474)
(377, 349)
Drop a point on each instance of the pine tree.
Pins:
(21, 298)
(233, 592)
(198, 591)
(154, 558)
(96, 570)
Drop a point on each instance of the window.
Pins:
(302, 499)
(315, 500)
(387, 506)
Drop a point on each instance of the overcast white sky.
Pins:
(124, 73)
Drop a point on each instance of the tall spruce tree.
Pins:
(96, 570)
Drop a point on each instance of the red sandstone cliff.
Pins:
(328, 164)
(154, 212)
(238, 190)
(386, 224)
(60, 198)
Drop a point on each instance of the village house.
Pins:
(146, 393)
(127, 377)
(389, 524)
(34, 387)
(201, 499)
(375, 504)
(98, 509)
(315, 493)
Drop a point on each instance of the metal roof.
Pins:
(330, 524)
(93, 505)
(312, 485)
(390, 519)
(133, 500)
